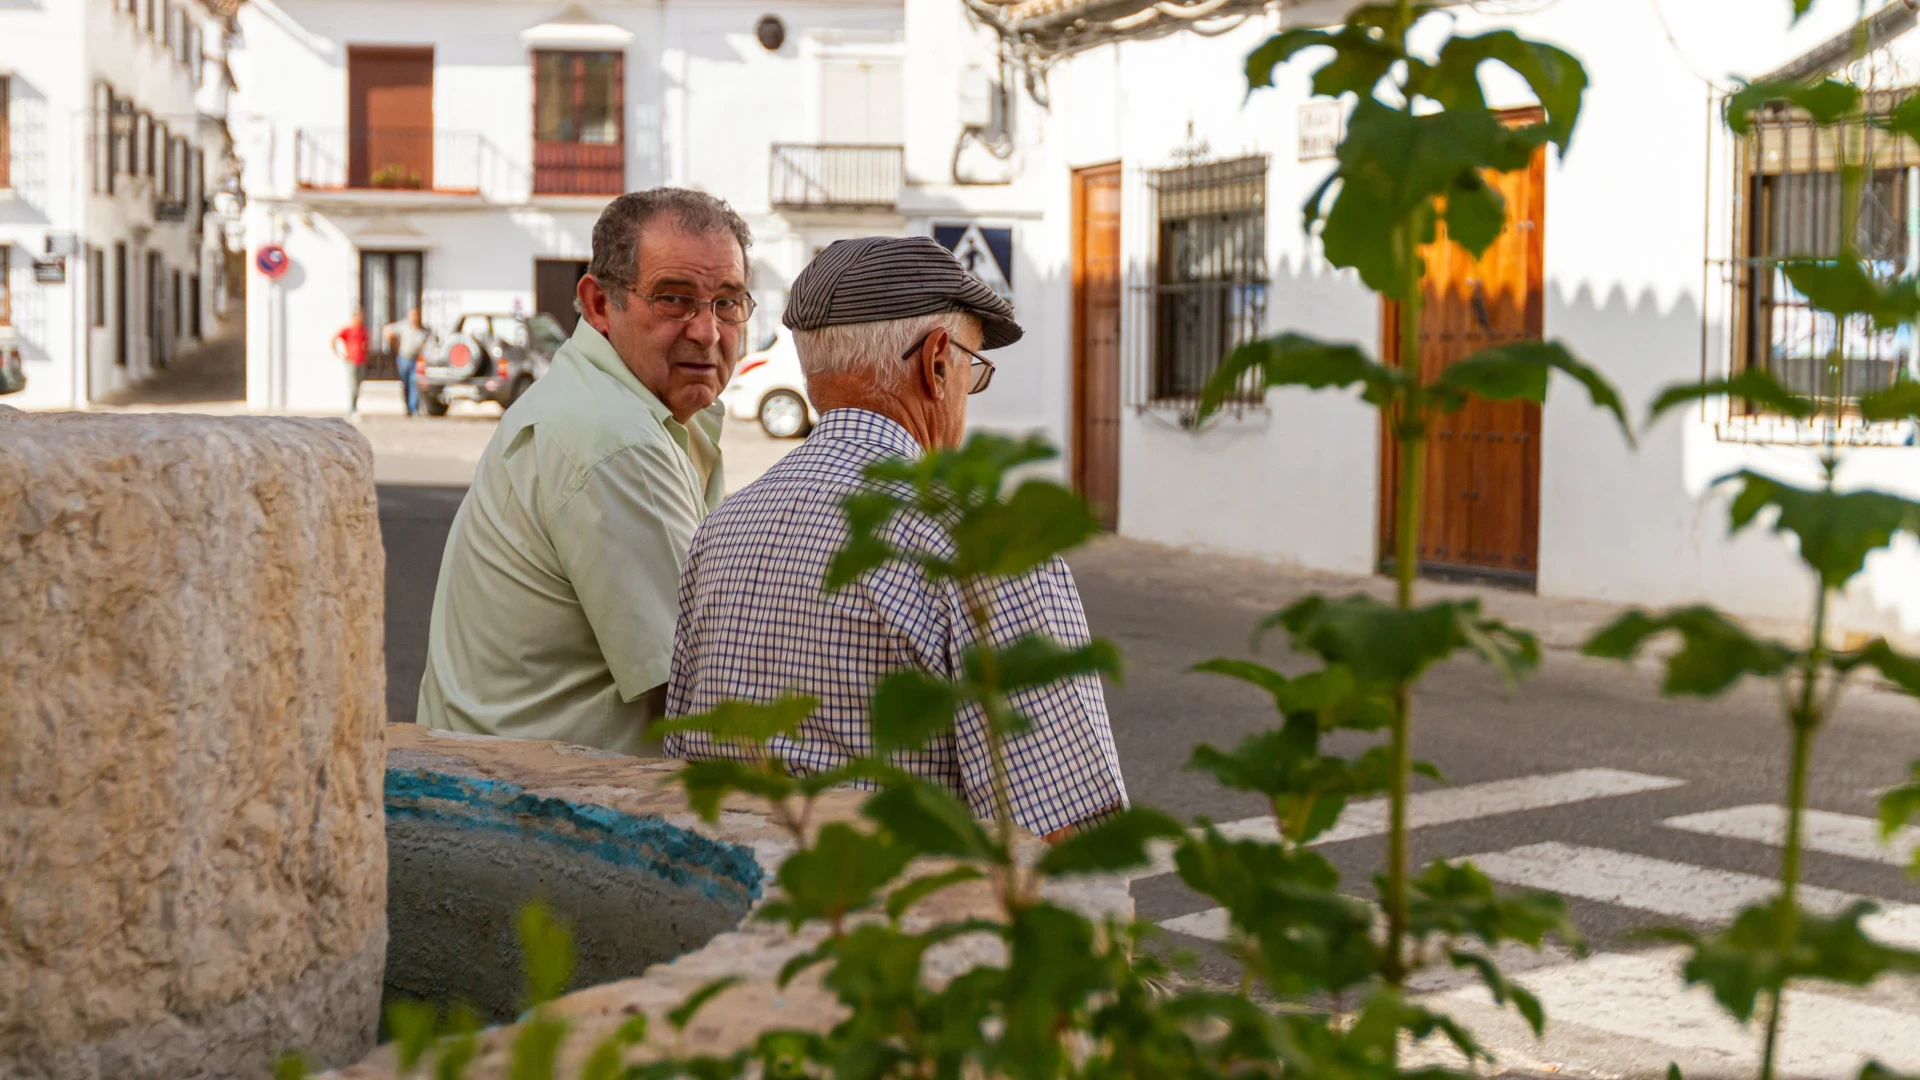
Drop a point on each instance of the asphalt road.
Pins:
(1614, 852)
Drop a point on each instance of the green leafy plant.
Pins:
(395, 175)
(1750, 965)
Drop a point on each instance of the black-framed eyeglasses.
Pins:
(982, 368)
(679, 307)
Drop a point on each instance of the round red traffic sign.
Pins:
(271, 260)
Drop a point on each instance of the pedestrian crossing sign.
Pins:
(985, 250)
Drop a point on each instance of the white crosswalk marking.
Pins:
(1639, 996)
(1673, 889)
(1833, 834)
(1444, 806)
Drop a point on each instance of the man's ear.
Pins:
(595, 305)
(935, 359)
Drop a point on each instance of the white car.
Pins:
(768, 387)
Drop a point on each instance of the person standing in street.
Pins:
(553, 616)
(405, 339)
(350, 344)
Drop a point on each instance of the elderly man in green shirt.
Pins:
(555, 609)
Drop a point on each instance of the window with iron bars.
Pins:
(1789, 208)
(1209, 278)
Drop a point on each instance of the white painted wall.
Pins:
(704, 103)
(54, 54)
(1626, 239)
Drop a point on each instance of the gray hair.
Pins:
(873, 349)
(616, 236)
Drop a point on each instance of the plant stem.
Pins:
(979, 610)
(1412, 442)
(1805, 720)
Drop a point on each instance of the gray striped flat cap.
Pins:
(876, 278)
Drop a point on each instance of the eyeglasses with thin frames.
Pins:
(982, 368)
(679, 307)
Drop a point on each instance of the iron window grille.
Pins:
(1787, 206)
(1204, 292)
(6, 139)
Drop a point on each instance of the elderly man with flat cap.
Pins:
(889, 331)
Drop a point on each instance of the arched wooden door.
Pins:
(1481, 512)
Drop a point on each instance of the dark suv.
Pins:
(487, 358)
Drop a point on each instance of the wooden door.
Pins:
(555, 284)
(1096, 339)
(389, 116)
(1481, 513)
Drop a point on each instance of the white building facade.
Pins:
(112, 145)
(1155, 212)
(454, 154)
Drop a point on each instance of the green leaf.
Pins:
(1714, 652)
(927, 819)
(1279, 49)
(454, 1057)
(1825, 102)
(1846, 287)
(683, 1013)
(1385, 644)
(911, 707)
(1298, 360)
(1118, 843)
(1304, 935)
(1897, 807)
(1475, 213)
(1307, 789)
(1041, 520)
(1905, 119)
(1501, 988)
(1554, 75)
(291, 1066)
(1874, 1070)
(535, 1047)
(868, 511)
(1745, 960)
(840, 873)
(1836, 530)
(1260, 675)
(708, 783)
(1456, 900)
(1673, 1070)
(1039, 660)
(1897, 667)
(546, 951)
(1753, 384)
(1901, 401)
(1360, 60)
(920, 888)
(412, 1025)
(1519, 371)
(746, 723)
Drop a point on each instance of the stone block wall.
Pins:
(192, 713)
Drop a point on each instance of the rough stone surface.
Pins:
(192, 858)
(755, 952)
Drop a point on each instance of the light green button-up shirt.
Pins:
(554, 614)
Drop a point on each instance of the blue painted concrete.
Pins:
(726, 873)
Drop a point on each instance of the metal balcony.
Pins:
(835, 177)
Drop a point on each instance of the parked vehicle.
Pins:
(768, 387)
(487, 358)
(13, 378)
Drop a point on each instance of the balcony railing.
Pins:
(828, 177)
(577, 168)
(386, 158)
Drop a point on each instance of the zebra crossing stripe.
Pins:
(1641, 996)
(1673, 889)
(1834, 834)
(1444, 806)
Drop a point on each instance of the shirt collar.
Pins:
(597, 351)
(863, 426)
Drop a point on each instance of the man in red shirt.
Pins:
(350, 344)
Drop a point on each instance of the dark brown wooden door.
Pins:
(555, 284)
(1481, 511)
(389, 116)
(1096, 339)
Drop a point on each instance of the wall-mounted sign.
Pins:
(1320, 128)
(175, 210)
(63, 243)
(985, 250)
(271, 260)
(51, 271)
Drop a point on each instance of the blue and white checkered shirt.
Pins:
(754, 624)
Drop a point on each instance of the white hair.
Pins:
(873, 349)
